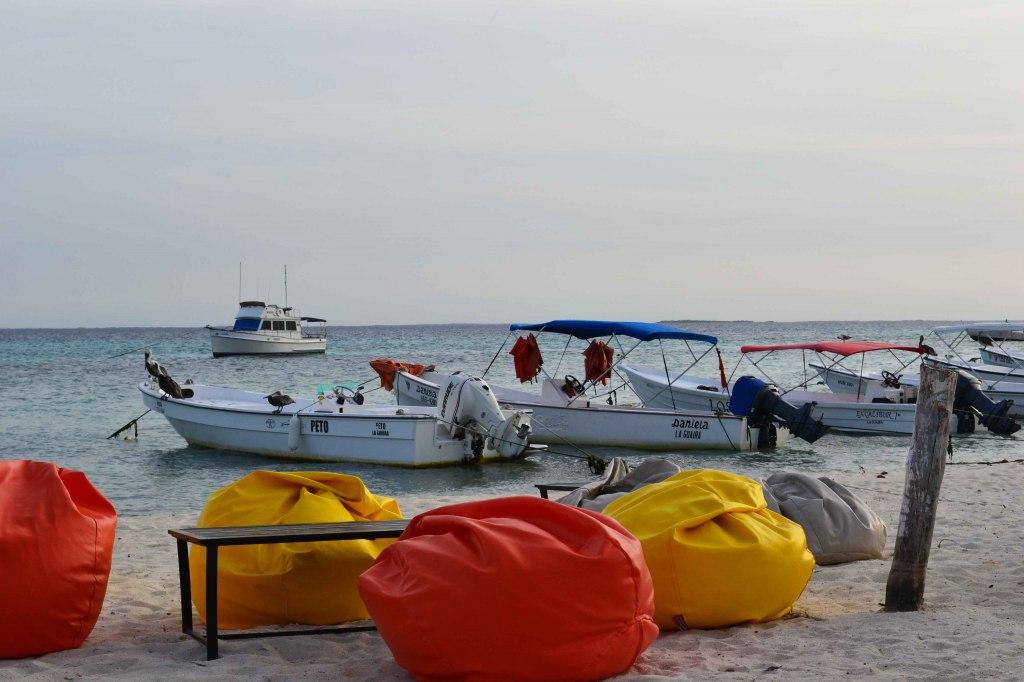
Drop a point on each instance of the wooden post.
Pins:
(926, 462)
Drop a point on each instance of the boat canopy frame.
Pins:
(962, 332)
(587, 330)
(831, 354)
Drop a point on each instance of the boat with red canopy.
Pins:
(857, 404)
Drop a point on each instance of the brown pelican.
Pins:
(279, 400)
(152, 366)
(171, 387)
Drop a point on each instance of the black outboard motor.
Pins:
(755, 399)
(991, 414)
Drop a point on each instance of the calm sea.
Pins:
(62, 393)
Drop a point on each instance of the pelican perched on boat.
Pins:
(152, 366)
(279, 400)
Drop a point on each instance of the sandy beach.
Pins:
(973, 625)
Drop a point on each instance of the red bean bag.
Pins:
(516, 588)
(56, 542)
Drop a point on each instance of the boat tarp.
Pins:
(589, 329)
(838, 347)
(839, 526)
(313, 319)
(619, 480)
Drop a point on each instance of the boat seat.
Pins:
(552, 393)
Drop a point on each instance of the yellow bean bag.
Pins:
(717, 554)
(302, 582)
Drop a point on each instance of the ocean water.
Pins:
(62, 393)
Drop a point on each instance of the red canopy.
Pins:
(838, 347)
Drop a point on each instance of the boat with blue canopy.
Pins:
(596, 409)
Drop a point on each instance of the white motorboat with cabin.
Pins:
(862, 407)
(265, 329)
(336, 428)
(564, 412)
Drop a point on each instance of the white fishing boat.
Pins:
(863, 407)
(333, 428)
(262, 329)
(996, 366)
(846, 381)
(568, 411)
(1003, 358)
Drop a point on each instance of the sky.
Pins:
(430, 162)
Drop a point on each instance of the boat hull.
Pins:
(377, 435)
(604, 425)
(840, 413)
(840, 382)
(1002, 358)
(241, 343)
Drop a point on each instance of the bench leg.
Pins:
(185, 580)
(211, 603)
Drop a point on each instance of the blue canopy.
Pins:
(588, 329)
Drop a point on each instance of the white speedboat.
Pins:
(564, 412)
(864, 407)
(1003, 358)
(844, 381)
(560, 420)
(262, 329)
(333, 428)
(845, 413)
(997, 366)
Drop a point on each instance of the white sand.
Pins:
(973, 626)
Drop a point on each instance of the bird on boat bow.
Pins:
(279, 400)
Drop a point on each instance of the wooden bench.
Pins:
(543, 488)
(215, 538)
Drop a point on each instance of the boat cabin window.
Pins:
(290, 326)
(266, 324)
(278, 326)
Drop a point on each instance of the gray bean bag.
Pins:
(618, 481)
(838, 525)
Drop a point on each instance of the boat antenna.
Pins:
(286, 286)
(239, 280)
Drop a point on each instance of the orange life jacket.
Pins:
(597, 361)
(386, 368)
(526, 357)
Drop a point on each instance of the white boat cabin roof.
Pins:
(255, 315)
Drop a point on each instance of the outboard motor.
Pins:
(758, 401)
(991, 414)
(467, 404)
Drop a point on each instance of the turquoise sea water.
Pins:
(61, 394)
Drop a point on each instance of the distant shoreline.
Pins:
(480, 324)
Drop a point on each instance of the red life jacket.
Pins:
(597, 362)
(526, 357)
(386, 368)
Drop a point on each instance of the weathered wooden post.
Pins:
(926, 462)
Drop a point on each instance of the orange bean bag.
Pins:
(516, 588)
(56, 543)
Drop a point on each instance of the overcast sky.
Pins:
(489, 161)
